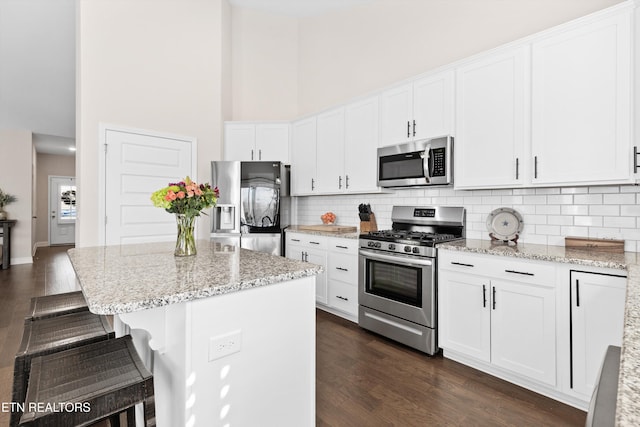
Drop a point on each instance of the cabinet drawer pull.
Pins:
(494, 297)
(462, 264)
(484, 295)
(295, 240)
(341, 247)
(315, 243)
(342, 269)
(519, 272)
(342, 298)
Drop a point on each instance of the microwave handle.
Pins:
(425, 163)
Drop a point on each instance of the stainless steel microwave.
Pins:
(418, 163)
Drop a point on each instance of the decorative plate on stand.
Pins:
(505, 225)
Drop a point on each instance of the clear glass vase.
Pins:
(186, 242)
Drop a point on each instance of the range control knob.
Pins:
(378, 244)
(392, 247)
(407, 248)
(416, 250)
(370, 244)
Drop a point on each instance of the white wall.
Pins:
(16, 179)
(264, 65)
(351, 52)
(148, 64)
(37, 75)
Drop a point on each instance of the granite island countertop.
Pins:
(125, 278)
(296, 229)
(593, 258)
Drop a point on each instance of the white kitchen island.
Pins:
(229, 334)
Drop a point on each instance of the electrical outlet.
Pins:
(224, 345)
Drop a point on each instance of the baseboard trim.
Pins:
(37, 245)
(22, 260)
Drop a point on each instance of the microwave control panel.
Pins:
(438, 157)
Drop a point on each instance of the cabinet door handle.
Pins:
(462, 264)
(342, 269)
(517, 168)
(635, 159)
(315, 243)
(341, 247)
(306, 256)
(577, 293)
(340, 182)
(313, 184)
(535, 167)
(302, 256)
(484, 295)
(524, 273)
(295, 240)
(494, 297)
(342, 298)
(408, 129)
(251, 154)
(414, 128)
(260, 154)
(346, 177)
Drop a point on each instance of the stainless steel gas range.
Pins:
(397, 273)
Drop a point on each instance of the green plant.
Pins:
(5, 199)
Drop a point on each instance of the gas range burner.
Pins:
(412, 237)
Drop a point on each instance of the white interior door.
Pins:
(62, 210)
(136, 165)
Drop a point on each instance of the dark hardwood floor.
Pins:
(362, 378)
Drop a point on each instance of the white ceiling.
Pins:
(298, 7)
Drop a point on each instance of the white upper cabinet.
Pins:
(303, 157)
(581, 103)
(344, 154)
(239, 141)
(272, 142)
(491, 120)
(330, 151)
(552, 110)
(261, 141)
(419, 110)
(361, 146)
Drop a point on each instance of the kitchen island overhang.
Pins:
(229, 334)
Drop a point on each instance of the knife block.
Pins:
(371, 225)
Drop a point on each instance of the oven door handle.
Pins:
(418, 262)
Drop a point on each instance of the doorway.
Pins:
(62, 210)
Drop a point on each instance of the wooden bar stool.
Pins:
(97, 382)
(56, 305)
(52, 335)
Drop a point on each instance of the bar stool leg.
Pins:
(149, 410)
(131, 416)
(114, 420)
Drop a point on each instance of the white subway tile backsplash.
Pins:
(604, 210)
(588, 221)
(575, 210)
(587, 199)
(563, 199)
(549, 214)
(620, 199)
(619, 221)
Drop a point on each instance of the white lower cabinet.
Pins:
(337, 286)
(310, 248)
(488, 312)
(597, 321)
(542, 325)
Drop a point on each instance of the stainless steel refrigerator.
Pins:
(253, 198)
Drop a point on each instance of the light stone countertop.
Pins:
(593, 258)
(122, 279)
(295, 229)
